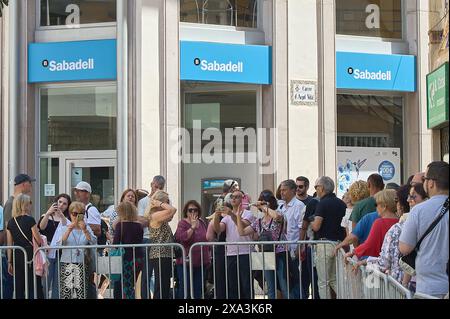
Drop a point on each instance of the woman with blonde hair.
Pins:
(358, 191)
(129, 232)
(21, 231)
(159, 214)
(387, 208)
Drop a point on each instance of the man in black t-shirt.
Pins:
(327, 226)
(302, 190)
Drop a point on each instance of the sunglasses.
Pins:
(236, 197)
(413, 197)
(317, 186)
(76, 213)
(300, 186)
(193, 210)
(424, 178)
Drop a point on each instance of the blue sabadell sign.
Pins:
(362, 71)
(221, 62)
(72, 61)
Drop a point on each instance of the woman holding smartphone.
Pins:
(57, 214)
(74, 282)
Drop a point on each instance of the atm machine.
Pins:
(212, 188)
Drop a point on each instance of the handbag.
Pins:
(408, 262)
(113, 262)
(265, 235)
(41, 262)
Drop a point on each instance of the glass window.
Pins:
(78, 118)
(238, 13)
(72, 13)
(372, 18)
(369, 121)
(101, 180)
(221, 110)
(48, 183)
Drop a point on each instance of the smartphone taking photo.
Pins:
(80, 218)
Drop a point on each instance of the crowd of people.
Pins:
(374, 223)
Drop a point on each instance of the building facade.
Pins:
(438, 79)
(115, 92)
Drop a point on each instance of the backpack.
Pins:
(102, 239)
(265, 235)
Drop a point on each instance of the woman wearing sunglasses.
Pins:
(192, 229)
(416, 195)
(270, 225)
(74, 274)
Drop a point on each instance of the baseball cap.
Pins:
(83, 186)
(228, 184)
(22, 178)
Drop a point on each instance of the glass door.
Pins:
(100, 174)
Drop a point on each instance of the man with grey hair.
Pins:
(292, 211)
(327, 226)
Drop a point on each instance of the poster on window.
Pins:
(358, 163)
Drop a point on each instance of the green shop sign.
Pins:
(437, 96)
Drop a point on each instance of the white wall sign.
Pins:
(303, 92)
(358, 163)
(49, 190)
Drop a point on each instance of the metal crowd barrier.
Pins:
(366, 282)
(102, 272)
(16, 286)
(238, 274)
(419, 295)
(106, 274)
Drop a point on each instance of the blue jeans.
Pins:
(147, 272)
(7, 280)
(280, 262)
(198, 282)
(52, 280)
(294, 278)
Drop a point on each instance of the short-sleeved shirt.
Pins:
(292, 213)
(362, 208)
(76, 238)
(346, 223)
(372, 246)
(26, 224)
(332, 210)
(7, 211)
(432, 257)
(142, 206)
(274, 227)
(364, 226)
(92, 216)
(233, 235)
(310, 212)
(307, 200)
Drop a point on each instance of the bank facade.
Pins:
(115, 92)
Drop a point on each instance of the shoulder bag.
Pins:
(408, 262)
